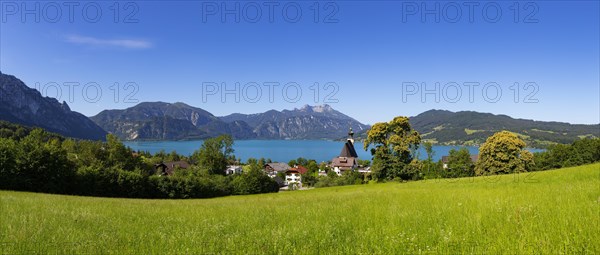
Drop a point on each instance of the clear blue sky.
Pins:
(369, 49)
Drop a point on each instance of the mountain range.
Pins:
(166, 121)
(179, 121)
(23, 105)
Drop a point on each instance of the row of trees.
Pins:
(395, 144)
(35, 160)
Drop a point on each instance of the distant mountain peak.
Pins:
(306, 122)
(65, 107)
(317, 108)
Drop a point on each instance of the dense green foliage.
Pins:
(395, 143)
(460, 164)
(214, 154)
(580, 152)
(35, 160)
(550, 212)
(254, 181)
(503, 153)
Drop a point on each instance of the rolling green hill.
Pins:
(547, 212)
(473, 128)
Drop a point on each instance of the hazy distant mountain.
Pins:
(308, 122)
(23, 105)
(468, 127)
(166, 121)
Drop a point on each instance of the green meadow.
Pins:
(555, 211)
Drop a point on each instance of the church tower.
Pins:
(348, 150)
(347, 160)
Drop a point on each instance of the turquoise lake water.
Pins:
(281, 150)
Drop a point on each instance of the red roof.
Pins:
(299, 169)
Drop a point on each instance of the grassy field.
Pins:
(545, 212)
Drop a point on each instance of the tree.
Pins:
(302, 161)
(503, 153)
(262, 162)
(119, 155)
(253, 181)
(9, 150)
(292, 163)
(364, 162)
(395, 144)
(43, 163)
(429, 150)
(459, 163)
(324, 167)
(214, 154)
(313, 168)
(429, 167)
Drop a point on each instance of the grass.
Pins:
(544, 131)
(543, 212)
(472, 131)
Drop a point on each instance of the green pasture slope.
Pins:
(544, 212)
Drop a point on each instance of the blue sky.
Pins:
(372, 60)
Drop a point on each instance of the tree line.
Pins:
(39, 161)
(394, 147)
(32, 159)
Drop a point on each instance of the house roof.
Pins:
(344, 162)
(169, 167)
(445, 159)
(278, 166)
(474, 158)
(299, 169)
(348, 150)
(181, 164)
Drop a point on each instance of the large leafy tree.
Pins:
(395, 143)
(503, 153)
(214, 154)
(459, 163)
(43, 163)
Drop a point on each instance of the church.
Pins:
(348, 159)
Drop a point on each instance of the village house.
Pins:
(168, 168)
(348, 158)
(294, 175)
(233, 169)
(273, 168)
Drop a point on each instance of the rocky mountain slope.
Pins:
(308, 122)
(23, 105)
(166, 121)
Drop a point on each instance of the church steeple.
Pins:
(351, 136)
(348, 150)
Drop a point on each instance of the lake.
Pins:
(282, 150)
